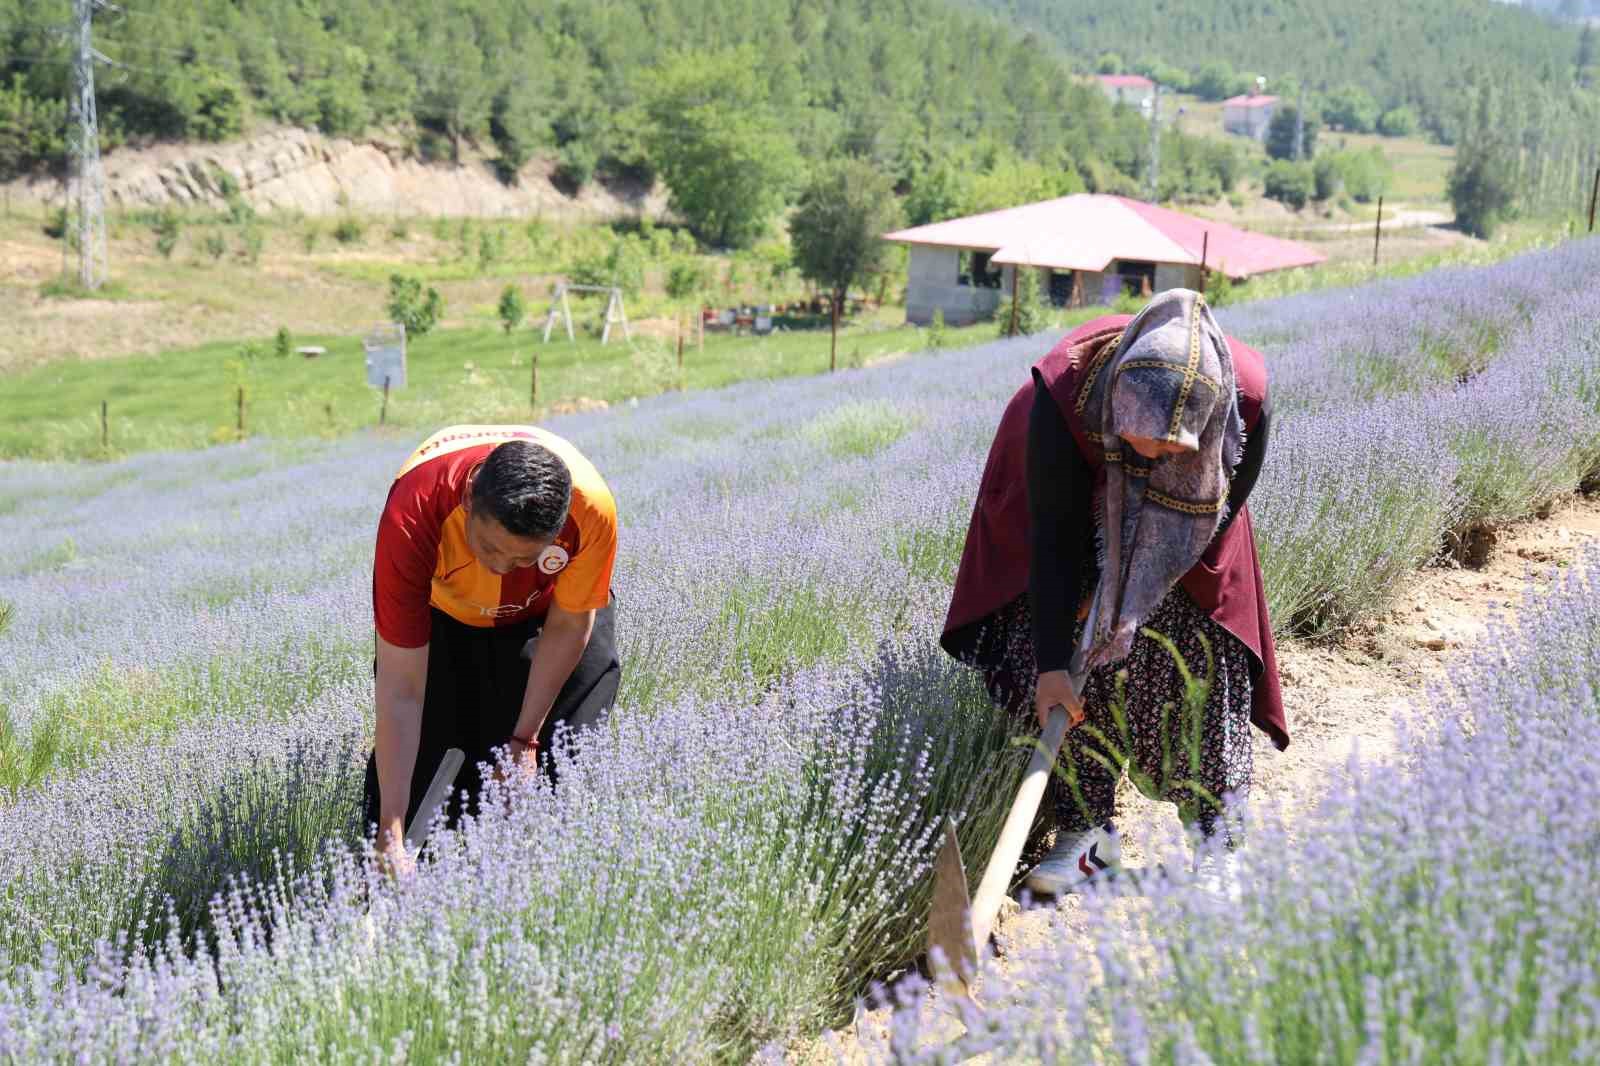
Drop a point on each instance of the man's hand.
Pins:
(1054, 688)
(522, 759)
(393, 857)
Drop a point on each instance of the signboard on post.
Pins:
(386, 356)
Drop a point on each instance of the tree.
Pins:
(30, 130)
(1327, 177)
(1280, 134)
(408, 305)
(1012, 181)
(1289, 183)
(1216, 81)
(511, 309)
(1398, 122)
(715, 139)
(1351, 108)
(937, 193)
(837, 229)
(1482, 178)
(1109, 63)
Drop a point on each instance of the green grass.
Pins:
(1513, 240)
(1421, 168)
(861, 429)
(190, 398)
(112, 706)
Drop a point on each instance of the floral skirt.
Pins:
(1181, 743)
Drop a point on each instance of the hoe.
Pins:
(959, 926)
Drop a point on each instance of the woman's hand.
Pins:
(1055, 687)
(521, 763)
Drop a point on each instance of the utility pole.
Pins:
(85, 151)
(1155, 145)
(1299, 122)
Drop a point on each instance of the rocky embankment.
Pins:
(301, 170)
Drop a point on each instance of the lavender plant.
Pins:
(1436, 910)
(185, 698)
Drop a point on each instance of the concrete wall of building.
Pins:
(1247, 121)
(933, 283)
(1176, 276)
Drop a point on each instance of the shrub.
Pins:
(491, 247)
(214, 245)
(167, 225)
(348, 230)
(510, 309)
(1398, 122)
(251, 243)
(409, 306)
(1327, 178)
(1289, 183)
(936, 331)
(1031, 313)
(282, 345)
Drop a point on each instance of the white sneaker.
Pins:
(1218, 872)
(1076, 859)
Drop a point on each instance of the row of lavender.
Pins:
(767, 526)
(178, 583)
(1440, 909)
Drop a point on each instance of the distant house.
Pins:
(1130, 89)
(1086, 248)
(1249, 115)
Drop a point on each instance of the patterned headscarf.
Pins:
(1169, 378)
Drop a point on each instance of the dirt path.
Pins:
(1338, 698)
(1405, 218)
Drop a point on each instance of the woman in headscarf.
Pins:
(1141, 438)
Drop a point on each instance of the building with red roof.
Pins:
(1249, 115)
(1133, 89)
(1087, 249)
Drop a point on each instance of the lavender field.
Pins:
(728, 865)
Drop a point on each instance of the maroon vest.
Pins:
(1226, 582)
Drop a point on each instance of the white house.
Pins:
(1086, 248)
(1133, 89)
(1249, 115)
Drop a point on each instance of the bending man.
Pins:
(491, 591)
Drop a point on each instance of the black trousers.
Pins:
(476, 681)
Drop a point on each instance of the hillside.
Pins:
(600, 89)
(1422, 55)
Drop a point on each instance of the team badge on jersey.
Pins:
(553, 559)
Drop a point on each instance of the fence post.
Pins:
(105, 428)
(1593, 196)
(1015, 270)
(383, 410)
(241, 410)
(1205, 248)
(1377, 233)
(680, 341)
(533, 383)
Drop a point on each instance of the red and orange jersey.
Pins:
(423, 560)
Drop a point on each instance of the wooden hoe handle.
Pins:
(1014, 834)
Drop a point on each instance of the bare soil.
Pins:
(1344, 698)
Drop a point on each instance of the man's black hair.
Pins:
(524, 487)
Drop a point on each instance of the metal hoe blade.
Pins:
(438, 792)
(950, 923)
